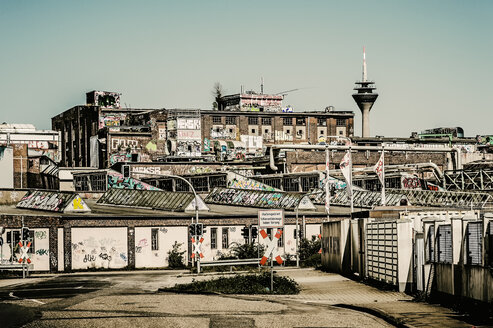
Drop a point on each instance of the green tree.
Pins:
(175, 256)
(309, 249)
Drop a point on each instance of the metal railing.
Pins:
(231, 263)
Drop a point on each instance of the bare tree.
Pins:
(217, 92)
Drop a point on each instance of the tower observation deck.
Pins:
(365, 98)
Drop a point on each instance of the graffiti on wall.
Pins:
(98, 251)
(111, 119)
(41, 201)
(283, 136)
(410, 182)
(123, 143)
(188, 148)
(116, 180)
(107, 99)
(237, 181)
(207, 145)
(120, 157)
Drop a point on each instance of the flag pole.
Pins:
(327, 189)
(351, 177)
(383, 175)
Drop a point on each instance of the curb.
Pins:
(377, 313)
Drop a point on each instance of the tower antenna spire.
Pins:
(364, 66)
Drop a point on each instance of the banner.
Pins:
(378, 169)
(345, 167)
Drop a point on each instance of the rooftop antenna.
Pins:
(261, 85)
(364, 66)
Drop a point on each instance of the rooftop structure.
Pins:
(365, 98)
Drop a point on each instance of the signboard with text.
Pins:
(270, 219)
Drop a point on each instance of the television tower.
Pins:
(365, 98)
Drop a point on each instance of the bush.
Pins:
(243, 251)
(175, 256)
(240, 284)
(309, 249)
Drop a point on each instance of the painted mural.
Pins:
(238, 181)
(116, 180)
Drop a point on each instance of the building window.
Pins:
(341, 132)
(474, 237)
(253, 121)
(213, 238)
(341, 122)
(288, 131)
(266, 131)
(217, 120)
(266, 121)
(254, 131)
(287, 121)
(300, 121)
(321, 132)
(321, 122)
(231, 120)
(225, 240)
(300, 132)
(444, 243)
(154, 239)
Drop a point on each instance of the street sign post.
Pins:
(273, 219)
(270, 219)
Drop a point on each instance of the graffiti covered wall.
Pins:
(238, 181)
(99, 248)
(116, 180)
(146, 257)
(38, 252)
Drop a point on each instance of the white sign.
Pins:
(270, 218)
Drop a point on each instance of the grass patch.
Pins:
(239, 284)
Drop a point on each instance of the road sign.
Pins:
(197, 247)
(24, 256)
(272, 246)
(270, 218)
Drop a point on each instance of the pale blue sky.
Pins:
(431, 60)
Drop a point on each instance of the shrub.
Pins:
(175, 256)
(240, 284)
(309, 249)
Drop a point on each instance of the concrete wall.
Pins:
(99, 248)
(6, 167)
(336, 246)
(145, 257)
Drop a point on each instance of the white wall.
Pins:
(99, 248)
(145, 257)
(39, 253)
(6, 167)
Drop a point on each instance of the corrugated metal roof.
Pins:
(254, 198)
(155, 199)
(366, 198)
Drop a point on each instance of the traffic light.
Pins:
(245, 232)
(254, 232)
(13, 237)
(199, 229)
(192, 229)
(25, 233)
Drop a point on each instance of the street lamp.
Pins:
(195, 197)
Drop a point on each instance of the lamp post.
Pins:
(195, 198)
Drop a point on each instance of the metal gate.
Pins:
(381, 244)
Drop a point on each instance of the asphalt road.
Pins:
(128, 299)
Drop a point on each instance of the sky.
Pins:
(431, 60)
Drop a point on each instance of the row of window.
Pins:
(231, 120)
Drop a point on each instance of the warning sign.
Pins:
(270, 218)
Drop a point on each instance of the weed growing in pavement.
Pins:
(240, 284)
